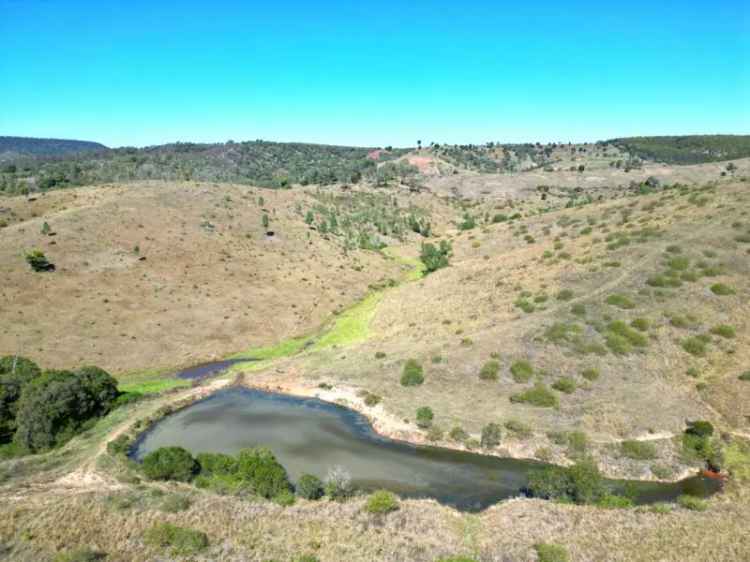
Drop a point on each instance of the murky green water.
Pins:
(309, 435)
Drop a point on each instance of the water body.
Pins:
(311, 436)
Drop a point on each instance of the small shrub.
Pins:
(721, 289)
(381, 502)
(338, 484)
(412, 374)
(565, 384)
(612, 501)
(380, 355)
(638, 450)
(581, 483)
(259, 468)
(723, 330)
(175, 503)
(458, 434)
(434, 433)
(578, 309)
(170, 463)
(525, 305)
(695, 346)
(590, 374)
(38, 261)
(661, 471)
(84, 554)
(489, 370)
(539, 396)
(547, 552)
(522, 371)
(309, 487)
(181, 540)
(692, 503)
(491, 434)
(641, 324)
(565, 295)
(372, 399)
(424, 417)
(518, 429)
(285, 498)
(620, 301)
(745, 376)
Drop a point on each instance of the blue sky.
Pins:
(377, 73)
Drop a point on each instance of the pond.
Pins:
(308, 435)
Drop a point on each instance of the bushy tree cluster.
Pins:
(41, 410)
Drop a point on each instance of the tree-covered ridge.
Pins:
(262, 163)
(12, 147)
(689, 149)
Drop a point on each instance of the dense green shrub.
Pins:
(38, 261)
(216, 464)
(547, 552)
(424, 417)
(579, 309)
(181, 540)
(381, 502)
(309, 487)
(58, 404)
(641, 324)
(15, 372)
(433, 257)
(412, 374)
(259, 467)
(539, 396)
(491, 435)
(521, 371)
(581, 483)
(695, 345)
(170, 463)
(745, 376)
(639, 450)
(489, 370)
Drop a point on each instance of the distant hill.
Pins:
(688, 149)
(262, 163)
(13, 147)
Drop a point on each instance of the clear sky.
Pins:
(372, 73)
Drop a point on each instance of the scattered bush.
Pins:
(692, 503)
(38, 261)
(412, 374)
(539, 396)
(723, 330)
(547, 552)
(489, 370)
(638, 450)
(491, 434)
(721, 289)
(181, 540)
(435, 258)
(590, 374)
(381, 502)
(695, 346)
(424, 417)
(260, 468)
(518, 429)
(458, 434)
(521, 371)
(565, 384)
(309, 487)
(170, 463)
(284, 498)
(565, 295)
(641, 324)
(371, 399)
(380, 355)
(620, 301)
(745, 376)
(578, 309)
(84, 554)
(175, 503)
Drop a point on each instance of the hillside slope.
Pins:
(14, 147)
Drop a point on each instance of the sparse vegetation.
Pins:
(412, 374)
